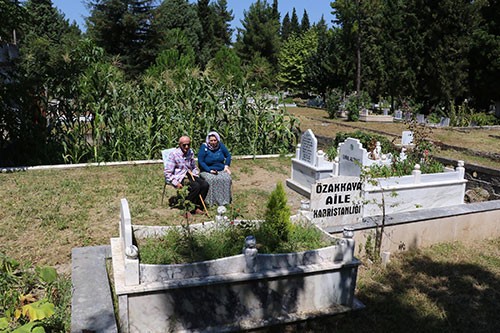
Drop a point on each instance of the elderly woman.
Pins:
(214, 160)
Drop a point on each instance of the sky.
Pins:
(74, 10)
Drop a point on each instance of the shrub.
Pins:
(355, 102)
(484, 119)
(333, 102)
(277, 226)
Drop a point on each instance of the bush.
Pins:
(277, 226)
(484, 119)
(355, 102)
(333, 102)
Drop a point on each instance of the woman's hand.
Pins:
(214, 172)
(226, 169)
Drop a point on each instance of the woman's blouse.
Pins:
(215, 159)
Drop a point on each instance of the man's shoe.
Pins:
(199, 211)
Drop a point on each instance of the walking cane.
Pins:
(201, 198)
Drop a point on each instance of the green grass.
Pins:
(452, 287)
(446, 288)
(180, 246)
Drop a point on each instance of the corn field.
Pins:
(118, 120)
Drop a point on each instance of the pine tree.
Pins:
(259, 36)
(304, 23)
(123, 28)
(216, 30)
(179, 15)
(12, 14)
(285, 27)
(207, 38)
(294, 23)
(222, 23)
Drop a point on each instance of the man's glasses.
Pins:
(185, 144)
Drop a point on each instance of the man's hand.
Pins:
(179, 186)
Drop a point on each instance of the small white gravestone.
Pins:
(351, 157)
(308, 146)
(420, 118)
(407, 138)
(398, 114)
(445, 122)
(336, 201)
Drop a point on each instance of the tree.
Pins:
(178, 15)
(177, 57)
(447, 28)
(222, 23)
(399, 43)
(326, 68)
(347, 15)
(259, 36)
(12, 14)
(484, 58)
(123, 28)
(216, 32)
(293, 58)
(207, 38)
(225, 67)
(294, 23)
(285, 27)
(44, 72)
(304, 23)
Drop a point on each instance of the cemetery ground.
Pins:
(447, 288)
(473, 145)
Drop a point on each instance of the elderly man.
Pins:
(181, 166)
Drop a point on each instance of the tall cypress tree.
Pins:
(285, 27)
(304, 23)
(294, 23)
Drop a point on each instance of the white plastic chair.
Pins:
(165, 153)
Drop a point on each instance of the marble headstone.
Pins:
(351, 157)
(407, 138)
(308, 147)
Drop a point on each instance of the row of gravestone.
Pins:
(309, 145)
(407, 116)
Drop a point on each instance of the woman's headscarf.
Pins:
(207, 140)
